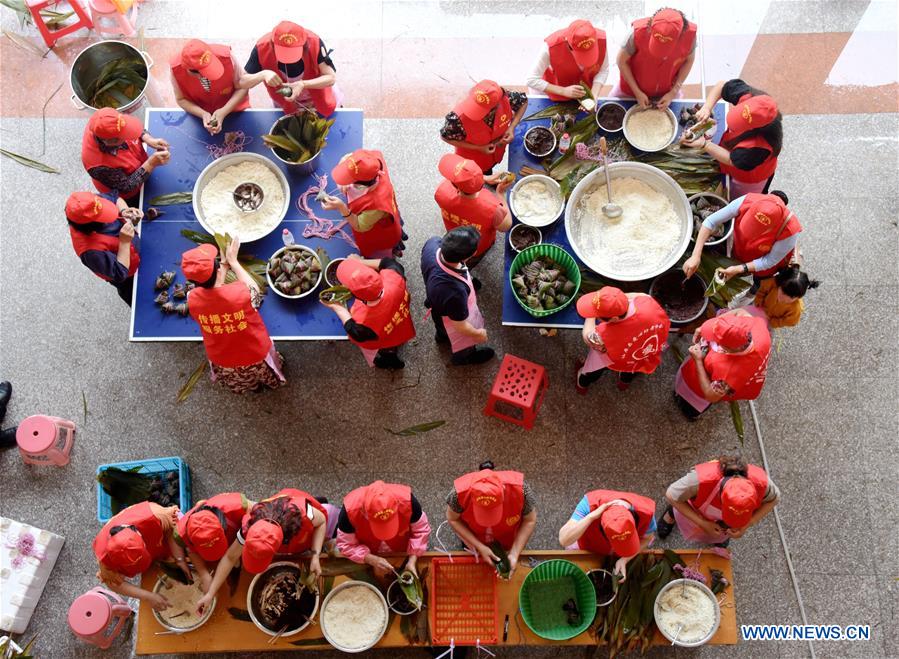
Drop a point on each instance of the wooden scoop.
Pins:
(610, 210)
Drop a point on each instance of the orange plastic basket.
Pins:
(463, 602)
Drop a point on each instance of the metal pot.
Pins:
(90, 61)
(306, 167)
(252, 589)
(551, 184)
(160, 584)
(677, 275)
(674, 129)
(687, 583)
(711, 242)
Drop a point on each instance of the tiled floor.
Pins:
(828, 412)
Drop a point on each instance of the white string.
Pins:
(481, 647)
(452, 646)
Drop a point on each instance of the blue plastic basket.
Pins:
(147, 466)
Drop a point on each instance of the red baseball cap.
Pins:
(203, 531)
(260, 545)
(487, 499)
(364, 282)
(463, 173)
(664, 30)
(360, 165)
(618, 525)
(739, 500)
(288, 39)
(754, 112)
(197, 55)
(607, 302)
(481, 98)
(728, 331)
(381, 508)
(581, 38)
(198, 263)
(108, 124)
(126, 552)
(84, 207)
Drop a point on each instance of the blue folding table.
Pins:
(162, 243)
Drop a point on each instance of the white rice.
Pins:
(649, 130)
(689, 607)
(354, 617)
(221, 213)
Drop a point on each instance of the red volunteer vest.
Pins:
(513, 504)
(141, 517)
(390, 318)
(635, 344)
(744, 373)
(231, 505)
(477, 132)
(656, 76)
(459, 210)
(302, 539)
(85, 242)
(388, 231)
(324, 100)
(354, 503)
(128, 159)
(594, 540)
(755, 234)
(220, 91)
(233, 331)
(762, 171)
(564, 70)
(710, 480)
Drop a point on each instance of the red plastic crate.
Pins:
(463, 605)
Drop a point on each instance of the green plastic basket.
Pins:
(557, 254)
(546, 589)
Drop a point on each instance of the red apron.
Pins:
(141, 517)
(302, 539)
(128, 159)
(220, 91)
(633, 345)
(233, 331)
(232, 506)
(564, 70)
(755, 233)
(478, 211)
(459, 341)
(656, 76)
(101, 242)
(513, 505)
(379, 241)
(324, 100)
(761, 172)
(594, 538)
(390, 318)
(354, 503)
(477, 132)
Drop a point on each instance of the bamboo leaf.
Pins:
(28, 162)
(188, 387)
(171, 199)
(411, 587)
(24, 42)
(737, 417)
(569, 107)
(310, 642)
(84, 407)
(336, 567)
(416, 430)
(233, 580)
(240, 614)
(197, 237)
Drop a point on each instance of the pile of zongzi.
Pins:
(128, 487)
(294, 271)
(542, 285)
(299, 137)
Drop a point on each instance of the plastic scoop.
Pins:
(609, 210)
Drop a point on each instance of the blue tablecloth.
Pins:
(162, 243)
(513, 313)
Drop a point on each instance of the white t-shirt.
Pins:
(537, 83)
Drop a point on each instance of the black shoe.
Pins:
(690, 412)
(8, 437)
(477, 355)
(663, 528)
(441, 338)
(5, 395)
(476, 283)
(390, 361)
(486, 464)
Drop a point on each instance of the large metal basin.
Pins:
(655, 178)
(90, 62)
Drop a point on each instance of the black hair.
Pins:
(368, 183)
(209, 283)
(459, 244)
(486, 464)
(781, 195)
(219, 515)
(87, 228)
(793, 282)
(121, 527)
(280, 511)
(733, 464)
(686, 23)
(773, 132)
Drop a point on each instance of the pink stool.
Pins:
(51, 36)
(97, 617)
(108, 20)
(45, 440)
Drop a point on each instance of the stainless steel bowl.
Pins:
(550, 183)
(252, 589)
(679, 583)
(542, 128)
(90, 62)
(730, 223)
(271, 282)
(674, 129)
(305, 167)
(160, 584)
(340, 588)
(599, 109)
(241, 193)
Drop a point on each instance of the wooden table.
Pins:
(226, 633)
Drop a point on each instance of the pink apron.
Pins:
(738, 188)
(369, 354)
(596, 359)
(460, 341)
(693, 532)
(351, 194)
(698, 403)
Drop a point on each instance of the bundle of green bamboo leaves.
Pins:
(299, 137)
(254, 267)
(119, 82)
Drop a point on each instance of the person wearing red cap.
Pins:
(296, 58)
(205, 78)
(241, 353)
(727, 361)
(570, 59)
(718, 500)
(104, 239)
(382, 518)
(370, 206)
(128, 544)
(380, 320)
(752, 141)
(629, 338)
(288, 524)
(208, 529)
(113, 153)
(488, 506)
(765, 236)
(611, 523)
(483, 123)
(464, 200)
(657, 58)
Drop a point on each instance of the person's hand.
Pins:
(204, 601)
(710, 527)
(158, 601)
(315, 566)
(126, 233)
(381, 565)
(412, 565)
(159, 158)
(642, 99)
(334, 204)
(691, 265)
(355, 257)
(513, 562)
(333, 306)
(698, 143)
(697, 352)
(621, 569)
(481, 335)
(488, 555)
(296, 88)
(134, 215)
(488, 148)
(503, 185)
(272, 79)
(665, 101)
(702, 114)
(156, 143)
(731, 272)
(736, 533)
(573, 91)
(233, 249)
(595, 342)
(216, 121)
(508, 136)
(205, 581)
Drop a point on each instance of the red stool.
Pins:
(98, 616)
(51, 36)
(45, 440)
(518, 391)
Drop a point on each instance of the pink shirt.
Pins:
(350, 547)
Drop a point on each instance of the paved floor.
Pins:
(828, 412)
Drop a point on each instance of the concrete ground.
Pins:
(828, 411)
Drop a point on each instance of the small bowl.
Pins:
(674, 129)
(552, 184)
(599, 570)
(518, 228)
(539, 129)
(250, 188)
(679, 583)
(328, 282)
(271, 282)
(730, 223)
(599, 109)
